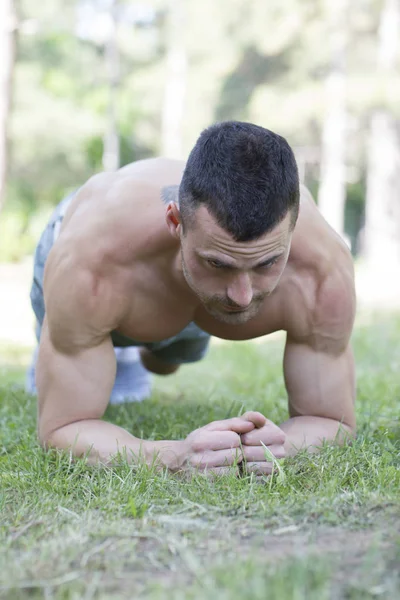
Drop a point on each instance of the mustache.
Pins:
(226, 301)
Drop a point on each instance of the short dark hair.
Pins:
(245, 175)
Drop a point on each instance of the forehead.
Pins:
(206, 234)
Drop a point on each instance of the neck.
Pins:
(179, 280)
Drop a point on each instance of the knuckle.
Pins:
(234, 440)
(280, 453)
(282, 438)
(198, 445)
(229, 458)
(211, 426)
(246, 415)
(260, 415)
(246, 438)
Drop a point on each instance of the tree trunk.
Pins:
(8, 28)
(175, 89)
(111, 159)
(382, 228)
(332, 189)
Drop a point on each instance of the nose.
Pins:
(240, 290)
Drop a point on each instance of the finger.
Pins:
(259, 453)
(216, 440)
(259, 468)
(223, 440)
(269, 435)
(254, 417)
(218, 458)
(236, 424)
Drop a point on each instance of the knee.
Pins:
(155, 365)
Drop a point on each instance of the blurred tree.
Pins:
(252, 70)
(332, 188)
(8, 28)
(111, 158)
(176, 80)
(382, 230)
(182, 65)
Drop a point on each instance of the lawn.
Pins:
(327, 526)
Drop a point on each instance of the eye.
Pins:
(215, 264)
(267, 265)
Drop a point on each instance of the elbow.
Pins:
(350, 424)
(67, 438)
(346, 433)
(48, 435)
(42, 434)
(45, 437)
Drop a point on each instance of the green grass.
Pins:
(327, 527)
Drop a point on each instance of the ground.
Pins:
(325, 527)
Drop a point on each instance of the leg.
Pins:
(155, 365)
(190, 345)
(132, 381)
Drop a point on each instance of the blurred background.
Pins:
(90, 85)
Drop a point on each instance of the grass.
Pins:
(327, 527)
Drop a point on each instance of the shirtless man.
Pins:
(160, 255)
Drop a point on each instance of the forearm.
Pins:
(101, 442)
(311, 432)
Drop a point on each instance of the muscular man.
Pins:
(161, 255)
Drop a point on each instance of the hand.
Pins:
(254, 452)
(216, 446)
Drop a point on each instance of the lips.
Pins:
(234, 310)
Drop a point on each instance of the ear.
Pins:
(173, 218)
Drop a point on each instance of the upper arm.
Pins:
(72, 385)
(319, 366)
(76, 362)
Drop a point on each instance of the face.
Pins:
(232, 279)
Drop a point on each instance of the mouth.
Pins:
(234, 310)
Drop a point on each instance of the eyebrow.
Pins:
(226, 265)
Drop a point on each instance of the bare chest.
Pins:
(155, 310)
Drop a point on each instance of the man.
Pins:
(160, 255)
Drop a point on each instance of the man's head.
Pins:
(238, 204)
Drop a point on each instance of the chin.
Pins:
(231, 318)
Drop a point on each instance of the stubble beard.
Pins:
(212, 304)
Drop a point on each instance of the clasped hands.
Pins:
(248, 440)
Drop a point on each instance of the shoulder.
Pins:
(320, 309)
(139, 183)
(83, 302)
(306, 196)
(334, 308)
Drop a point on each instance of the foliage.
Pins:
(258, 61)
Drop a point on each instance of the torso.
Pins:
(120, 233)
